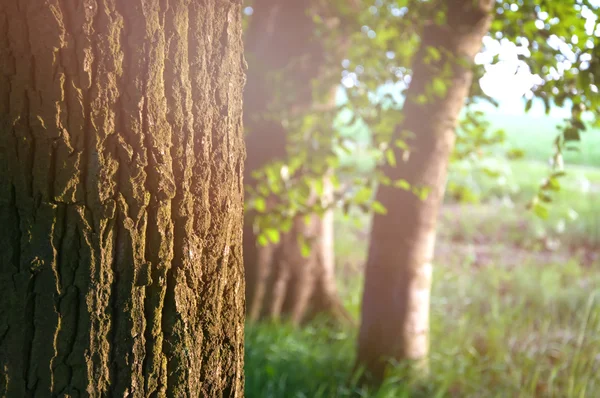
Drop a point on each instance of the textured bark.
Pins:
(279, 280)
(395, 307)
(121, 156)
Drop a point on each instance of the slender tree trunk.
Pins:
(279, 281)
(395, 308)
(121, 156)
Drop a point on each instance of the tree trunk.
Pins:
(121, 196)
(279, 280)
(395, 307)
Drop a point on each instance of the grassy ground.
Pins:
(516, 323)
(526, 331)
(516, 299)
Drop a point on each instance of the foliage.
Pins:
(560, 39)
(375, 71)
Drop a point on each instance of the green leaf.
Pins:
(307, 219)
(402, 184)
(423, 192)
(491, 172)
(433, 53)
(363, 195)
(391, 157)
(378, 207)
(514, 154)
(547, 107)
(304, 246)
(401, 144)
(540, 210)
(285, 225)
(319, 187)
(272, 234)
(551, 184)
(262, 240)
(439, 87)
(260, 204)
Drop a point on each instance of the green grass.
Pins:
(525, 331)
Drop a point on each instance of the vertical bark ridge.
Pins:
(120, 170)
(40, 317)
(68, 300)
(221, 338)
(186, 250)
(9, 216)
(181, 115)
(159, 249)
(13, 150)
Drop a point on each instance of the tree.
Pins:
(395, 309)
(285, 57)
(121, 195)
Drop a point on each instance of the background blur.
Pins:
(515, 307)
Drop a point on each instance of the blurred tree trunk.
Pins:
(279, 280)
(121, 156)
(395, 307)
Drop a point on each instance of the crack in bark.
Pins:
(29, 332)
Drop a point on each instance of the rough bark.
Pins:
(121, 156)
(395, 307)
(279, 281)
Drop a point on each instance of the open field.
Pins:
(535, 135)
